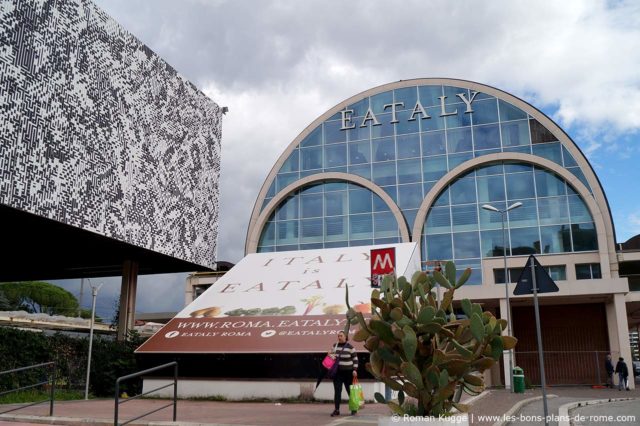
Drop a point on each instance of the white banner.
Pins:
(268, 300)
(309, 282)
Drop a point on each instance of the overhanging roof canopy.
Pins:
(38, 248)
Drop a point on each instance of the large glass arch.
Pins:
(404, 137)
(326, 215)
(553, 218)
(407, 155)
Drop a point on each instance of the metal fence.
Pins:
(138, 374)
(566, 367)
(51, 381)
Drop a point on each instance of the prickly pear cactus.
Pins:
(420, 349)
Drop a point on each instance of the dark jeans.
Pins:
(344, 377)
(622, 382)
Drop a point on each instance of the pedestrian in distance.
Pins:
(608, 367)
(623, 374)
(347, 360)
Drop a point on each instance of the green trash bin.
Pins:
(518, 380)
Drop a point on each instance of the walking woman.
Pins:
(347, 369)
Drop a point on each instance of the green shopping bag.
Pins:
(355, 395)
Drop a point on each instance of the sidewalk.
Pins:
(495, 403)
(100, 412)
(565, 396)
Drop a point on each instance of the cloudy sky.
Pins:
(278, 65)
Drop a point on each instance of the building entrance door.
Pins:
(575, 342)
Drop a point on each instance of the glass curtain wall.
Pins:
(408, 156)
(329, 215)
(553, 217)
(406, 153)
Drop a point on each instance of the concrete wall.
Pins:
(248, 389)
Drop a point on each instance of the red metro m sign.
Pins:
(383, 262)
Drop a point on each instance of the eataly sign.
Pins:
(418, 110)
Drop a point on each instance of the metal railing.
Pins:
(138, 374)
(51, 380)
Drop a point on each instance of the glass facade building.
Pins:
(404, 140)
(416, 161)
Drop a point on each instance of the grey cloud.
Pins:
(105, 300)
(161, 293)
(566, 52)
(244, 44)
(156, 293)
(278, 65)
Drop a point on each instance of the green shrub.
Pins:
(110, 360)
(32, 395)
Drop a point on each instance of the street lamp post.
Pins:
(94, 291)
(503, 214)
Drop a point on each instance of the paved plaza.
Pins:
(494, 407)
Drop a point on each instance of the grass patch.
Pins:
(33, 395)
(222, 398)
(191, 398)
(291, 400)
(208, 398)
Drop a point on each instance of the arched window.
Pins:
(325, 215)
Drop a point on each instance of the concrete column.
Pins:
(618, 330)
(128, 289)
(612, 329)
(492, 375)
(188, 289)
(506, 354)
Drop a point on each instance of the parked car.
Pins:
(636, 368)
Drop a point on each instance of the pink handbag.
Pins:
(328, 362)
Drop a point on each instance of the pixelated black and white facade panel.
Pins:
(100, 133)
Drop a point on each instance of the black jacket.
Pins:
(621, 368)
(608, 365)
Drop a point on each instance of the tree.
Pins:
(86, 314)
(116, 313)
(4, 302)
(40, 297)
